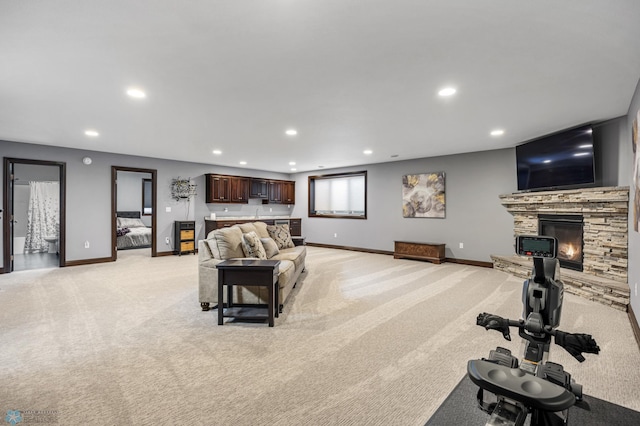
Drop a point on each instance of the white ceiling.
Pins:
(349, 75)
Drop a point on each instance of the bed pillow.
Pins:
(130, 222)
(270, 247)
(281, 235)
(122, 231)
(252, 246)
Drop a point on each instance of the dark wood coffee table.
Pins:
(247, 272)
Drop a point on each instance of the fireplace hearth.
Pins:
(567, 229)
(604, 212)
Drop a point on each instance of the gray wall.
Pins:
(626, 173)
(474, 215)
(88, 193)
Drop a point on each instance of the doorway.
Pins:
(34, 219)
(133, 200)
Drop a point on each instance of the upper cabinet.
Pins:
(218, 189)
(259, 188)
(239, 189)
(288, 192)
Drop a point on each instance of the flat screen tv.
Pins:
(560, 160)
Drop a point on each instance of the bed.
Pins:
(131, 232)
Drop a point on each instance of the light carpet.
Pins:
(364, 339)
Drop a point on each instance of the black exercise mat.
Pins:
(460, 408)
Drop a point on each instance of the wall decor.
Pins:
(423, 195)
(635, 189)
(182, 189)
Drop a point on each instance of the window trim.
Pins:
(147, 202)
(311, 195)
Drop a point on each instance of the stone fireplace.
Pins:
(600, 215)
(568, 231)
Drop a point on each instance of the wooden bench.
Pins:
(432, 252)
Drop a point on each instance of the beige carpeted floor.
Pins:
(364, 340)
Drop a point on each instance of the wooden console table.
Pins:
(433, 252)
(246, 272)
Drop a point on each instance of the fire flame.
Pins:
(568, 251)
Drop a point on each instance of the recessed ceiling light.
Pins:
(217, 152)
(91, 133)
(292, 163)
(367, 152)
(447, 91)
(546, 161)
(244, 163)
(293, 169)
(497, 132)
(136, 93)
(291, 132)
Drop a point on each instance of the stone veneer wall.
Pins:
(605, 223)
(605, 234)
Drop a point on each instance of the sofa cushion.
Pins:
(247, 227)
(286, 271)
(270, 247)
(252, 245)
(281, 235)
(296, 254)
(212, 246)
(229, 241)
(261, 229)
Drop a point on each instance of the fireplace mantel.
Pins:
(605, 213)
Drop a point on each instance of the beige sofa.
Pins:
(226, 243)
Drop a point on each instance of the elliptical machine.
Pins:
(510, 390)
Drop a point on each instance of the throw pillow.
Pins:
(270, 247)
(281, 235)
(229, 242)
(252, 246)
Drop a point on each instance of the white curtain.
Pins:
(42, 215)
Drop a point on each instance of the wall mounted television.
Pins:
(561, 160)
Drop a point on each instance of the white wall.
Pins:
(626, 172)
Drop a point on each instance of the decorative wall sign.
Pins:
(635, 131)
(182, 189)
(423, 195)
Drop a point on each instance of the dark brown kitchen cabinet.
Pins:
(288, 192)
(218, 188)
(239, 190)
(275, 192)
(259, 188)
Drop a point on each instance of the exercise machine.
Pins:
(509, 389)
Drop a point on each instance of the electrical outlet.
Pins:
(86, 244)
(167, 241)
(461, 245)
(335, 235)
(167, 209)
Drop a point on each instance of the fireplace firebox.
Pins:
(568, 230)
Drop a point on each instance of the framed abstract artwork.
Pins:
(423, 195)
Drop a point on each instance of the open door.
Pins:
(13, 215)
(145, 206)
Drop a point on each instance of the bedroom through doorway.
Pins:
(133, 205)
